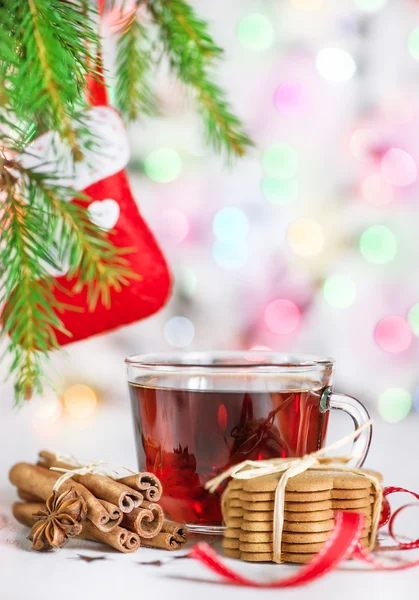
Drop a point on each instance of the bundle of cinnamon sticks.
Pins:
(123, 513)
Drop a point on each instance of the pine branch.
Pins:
(47, 75)
(132, 92)
(192, 54)
(30, 317)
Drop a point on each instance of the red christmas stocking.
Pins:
(102, 177)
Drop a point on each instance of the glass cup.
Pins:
(197, 414)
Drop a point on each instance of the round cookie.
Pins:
(257, 496)
(258, 506)
(296, 558)
(258, 547)
(289, 496)
(231, 493)
(234, 502)
(349, 494)
(230, 543)
(345, 480)
(304, 538)
(232, 533)
(233, 522)
(307, 527)
(309, 481)
(256, 556)
(357, 503)
(258, 516)
(310, 548)
(256, 537)
(301, 548)
(234, 512)
(307, 496)
(308, 506)
(257, 526)
(231, 553)
(235, 484)
(323, 515)
(363, 511)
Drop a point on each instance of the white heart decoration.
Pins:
(104, 213)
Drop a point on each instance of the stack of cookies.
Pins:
(310, 499)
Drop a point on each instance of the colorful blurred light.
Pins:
(339, 291)
(179, 331)
(335, 65)
(230, 255)
(393, 334)
(370, 5)
(80, 401)
(398, 167)
(48, 408)
(255, 32)
(378, 244)
(376, 190)
(305, 237)
(308, 4)
(230, 224)
(173, 225)
(280, 192)
(398, 108)
(413, 318)
(280, 161)
(163, 165)
(188, 282)
(290, 99)
(361, 143)
(282, 316)
(413, 43)
(395, 404)
(416, 399)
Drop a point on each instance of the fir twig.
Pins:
(47, 76)
(192, 54)
(132, 91)
(30, 317)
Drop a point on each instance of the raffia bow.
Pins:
(96, 467)
(290, 467)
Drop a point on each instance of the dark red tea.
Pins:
(186, 437)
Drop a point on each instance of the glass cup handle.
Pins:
(359, 415)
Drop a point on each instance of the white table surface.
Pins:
(61, 575)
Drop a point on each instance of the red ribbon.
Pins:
(343, 543)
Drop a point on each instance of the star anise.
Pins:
(62, 518)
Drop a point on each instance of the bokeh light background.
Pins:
(310, 243)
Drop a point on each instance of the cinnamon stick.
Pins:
(171, 537)
(115, 513)
(118, 538)
(27, 497)
(101, 486)
(36, 482)
(146, 521)
(165, 541)
(146, 483)
(178, 530)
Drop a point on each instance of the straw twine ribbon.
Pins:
(290, 467)
(96, 467)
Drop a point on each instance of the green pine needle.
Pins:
(132, 91)
(192, 54)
